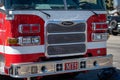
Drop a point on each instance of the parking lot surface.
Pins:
(113, 45)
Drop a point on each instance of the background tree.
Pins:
(109, 4)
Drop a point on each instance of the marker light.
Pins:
(29, 28)
(12, 41)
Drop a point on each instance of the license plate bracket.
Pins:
(71, 65)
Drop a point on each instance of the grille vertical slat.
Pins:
(62, 40)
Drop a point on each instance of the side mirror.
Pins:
(116, 4)
(1, 3)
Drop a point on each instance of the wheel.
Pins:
(113, 24)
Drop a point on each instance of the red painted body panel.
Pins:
(92, 19)
(22, 58)
(2, 31)
(11, 31)
(93, 52)
(11, 26)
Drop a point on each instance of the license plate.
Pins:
(71, 65)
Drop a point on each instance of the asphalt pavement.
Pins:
(113, 47)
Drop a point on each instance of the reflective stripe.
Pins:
(24, 49)
(41, 49)
(95, 45)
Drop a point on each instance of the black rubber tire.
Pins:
(113, 24)
(114, 33)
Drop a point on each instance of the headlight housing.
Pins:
(100, 36)
(31, 40)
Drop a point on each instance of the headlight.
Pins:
(31, 40)
(100, 36)
(35, 40)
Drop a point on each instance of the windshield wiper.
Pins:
(48, 15)
(88, 5)
(93, 12)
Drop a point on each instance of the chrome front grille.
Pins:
(66, 49)
(65, 40)
(57, 28)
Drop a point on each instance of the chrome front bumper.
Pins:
(61, 66)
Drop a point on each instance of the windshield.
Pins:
(54, 4)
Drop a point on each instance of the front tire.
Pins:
(113, 24)
(114, 33)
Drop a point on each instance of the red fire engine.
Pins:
(49, 37)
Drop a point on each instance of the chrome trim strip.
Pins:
(67, 43)
(65, 33)
(95, 23)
